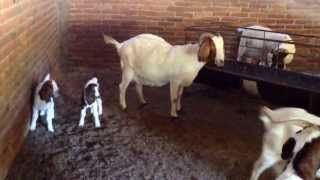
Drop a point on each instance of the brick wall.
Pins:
(87, 19)
(29, 47)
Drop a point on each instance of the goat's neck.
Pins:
(189, 52)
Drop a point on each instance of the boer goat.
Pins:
(149, 60)
(303, 151)
(43, 102)
(278, 54)
(91, 100)
(280, 125)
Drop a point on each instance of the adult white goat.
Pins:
(263, 52)
(280, 124)
(149, 60)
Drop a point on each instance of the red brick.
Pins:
(166, 18)
(29, 35)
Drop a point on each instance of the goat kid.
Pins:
(280, 125)
(91, 100)
(303, 151)
(149, 60)
(43, 102)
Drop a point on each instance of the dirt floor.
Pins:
(218, 135)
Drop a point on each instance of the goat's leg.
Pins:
(318, 173)
(50, 116)
(174, 88)
(180, 92)
(96, 115)
(139, 89)
(127, 76)
(82, 116)
(263, 163)
(99, 101)
(35, 116)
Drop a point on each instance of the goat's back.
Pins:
(154, 61)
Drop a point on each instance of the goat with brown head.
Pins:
(44, 102)
(91, 100)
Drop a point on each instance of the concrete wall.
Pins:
(29, 47)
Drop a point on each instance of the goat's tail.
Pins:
(110, 40)
(266, 116)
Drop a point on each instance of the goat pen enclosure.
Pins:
(41, 36)
(299, 77)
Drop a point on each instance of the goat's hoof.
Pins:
(123, 108)
(181, 111)
(174, 118)
(142, 105)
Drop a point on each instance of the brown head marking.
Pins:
(278, 58)
(307, 160)
(46, 91)
(89, 95)
(207, 49)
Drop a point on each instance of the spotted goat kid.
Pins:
(91, 101)
(44, 102)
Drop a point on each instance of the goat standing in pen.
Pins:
(149, 60)
(91, 100)
(280, 124)
(43, 102)
(277, 54)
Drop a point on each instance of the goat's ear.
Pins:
(287, 149)
(207, 49)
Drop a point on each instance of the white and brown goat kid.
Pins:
(303, 152)
(44, 102)
(91, 101)
(149, 60)
(280, 124)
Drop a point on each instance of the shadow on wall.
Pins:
(85, 44)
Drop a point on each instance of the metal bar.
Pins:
(279, 41)
(264, 39)
(203, 28)
(293, 34)
(271, 75)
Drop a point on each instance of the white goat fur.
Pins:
(257, 52)
(149, 60)
(95, 107)
(278, 130)
(305, 136)
(43, 107)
